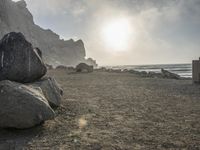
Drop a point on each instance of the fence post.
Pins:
(196, 71)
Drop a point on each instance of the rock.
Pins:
(50, 89)
(21, 4)
(67, 69)
(152, 74)
(39, 52)
(169, 75)
(134, 72)
(14, 16)
(125, 70)
(117, 70)
(61, 67)
(49, 67)
(19, 61)
(143, 73)
(22, 106)
(82, 67)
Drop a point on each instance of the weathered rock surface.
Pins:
(19, 60)
(155, 74)
(49, 67)
(14, 16)
(50, 89)
(21, 106)
(169, 75)
(82, 67)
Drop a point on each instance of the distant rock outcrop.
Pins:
(22, 107)
(169, 75)
(82, 67)
(19, 60)
(15, 17)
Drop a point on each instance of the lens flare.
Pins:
(117, 34)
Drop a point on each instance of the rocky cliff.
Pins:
(14, 16)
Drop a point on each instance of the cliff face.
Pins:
(15, 17)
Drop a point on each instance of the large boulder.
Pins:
(19, 61)
(22, 106)
(82, 67)
(50, 89)
(169, 75)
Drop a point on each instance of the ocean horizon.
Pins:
(184, 70)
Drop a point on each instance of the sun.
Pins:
(117, 33)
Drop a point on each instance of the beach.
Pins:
(116, 111)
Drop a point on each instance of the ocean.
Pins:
(184, 70)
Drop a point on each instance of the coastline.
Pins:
(184, 70)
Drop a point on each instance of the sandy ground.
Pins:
(116, 111)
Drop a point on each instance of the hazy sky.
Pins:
(125, 32)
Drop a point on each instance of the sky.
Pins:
(126, 32)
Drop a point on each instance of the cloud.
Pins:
(167, 30)
(56, 7)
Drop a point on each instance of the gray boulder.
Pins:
(19, 61)
(152, 74)
(169, 75)
(82, 67)
(22, 106)
(50, 89)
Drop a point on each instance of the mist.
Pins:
(163, 32)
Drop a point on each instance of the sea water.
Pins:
(184, 70)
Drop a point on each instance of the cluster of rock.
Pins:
(80, 68)
(163, 74)
(26, 99)
(62, 67)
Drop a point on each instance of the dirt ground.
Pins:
(116, 111)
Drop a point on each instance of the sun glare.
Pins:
(117, 34)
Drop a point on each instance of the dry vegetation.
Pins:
(116, 111)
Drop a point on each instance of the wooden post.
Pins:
(196, 71)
